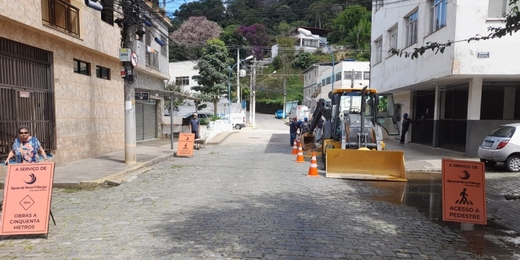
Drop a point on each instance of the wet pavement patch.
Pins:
(423, 191)
(512, 197)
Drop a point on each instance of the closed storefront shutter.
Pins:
(139, 122)
(149, 121)
(146, 120)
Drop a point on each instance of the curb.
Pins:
(221, 137)
(117, 175)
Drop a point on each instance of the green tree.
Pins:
(213, 72)
(320, 13)
(177, 100)
(212, 9)
(304, 60)
(352, 28)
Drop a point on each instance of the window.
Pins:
(164, 48)
(499, 8)
(107, 14)
(392, 39)
(366, 75)
(357, 74)
(182, 81)
(61, 15)
(148, 38)
(310, 43)
(338, 76)
(378, 4)
(81, 67)
(102, 72)
(411, 28)
(378, 50)
(438, 14)
(152, 59)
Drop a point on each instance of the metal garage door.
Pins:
(26, 96)
(145, 120)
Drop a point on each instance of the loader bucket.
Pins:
(365, 164)
(308, 142)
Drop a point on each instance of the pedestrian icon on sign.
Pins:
(464, 199)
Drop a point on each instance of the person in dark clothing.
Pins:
(305, 127)
(293, 128)
(194, 125)
(405, 126)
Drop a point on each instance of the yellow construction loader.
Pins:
(352, 144)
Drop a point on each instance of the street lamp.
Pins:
(309, 34)
(229, 82)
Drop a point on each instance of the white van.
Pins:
(238, 120)
(300, 112)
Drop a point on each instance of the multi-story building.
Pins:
(455, 96)
(181, 73)
(317, 82)
(60, 75)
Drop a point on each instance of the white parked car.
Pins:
(502, 145)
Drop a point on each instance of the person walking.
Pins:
(26, 148)
(293, 128)
(405, 126)
(195, 125)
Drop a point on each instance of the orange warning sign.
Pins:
(463, 191)
(27, 198)
(185, 144)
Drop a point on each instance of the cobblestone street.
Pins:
(246, 198)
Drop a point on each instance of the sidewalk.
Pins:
(111, 166)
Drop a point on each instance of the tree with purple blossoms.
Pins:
(257, 38)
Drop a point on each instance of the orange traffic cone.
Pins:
(313, 170)
(295, 148)
(299, 158)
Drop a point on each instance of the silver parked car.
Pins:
(502, 145)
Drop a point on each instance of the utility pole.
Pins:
(130, 13)
(238, 77)
(253, 121)
(284, 95)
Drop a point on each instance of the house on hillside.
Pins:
(455, 97)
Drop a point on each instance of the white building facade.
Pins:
(181, 73)
(317, 82)
(458, 96)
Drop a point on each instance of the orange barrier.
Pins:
(299, 158)
(295, 148)
(313, 170)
